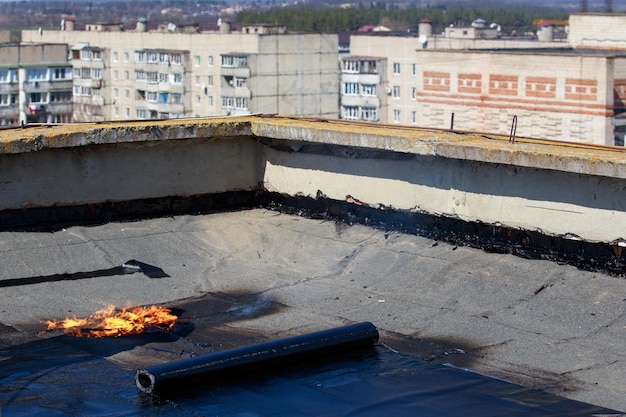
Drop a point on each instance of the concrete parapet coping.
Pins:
(481, 147)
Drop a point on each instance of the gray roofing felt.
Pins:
(255, 275)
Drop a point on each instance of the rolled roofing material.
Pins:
(160, 378)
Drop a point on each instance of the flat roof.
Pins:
(253, 275)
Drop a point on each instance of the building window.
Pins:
(153, 77)
(241, 103)
(413, 93)
(240, 81)
(85, 73)
(196, 60)
(97, 73)
(197, 98)
(414, 69)
(141, 76)
(164, 78)
(127, 94)
(153, 57)
(115, 74)
(61, 97)
(176, 98)
(396, 91)
(413, 117)
(396, 68)
(210, 101)
(368, 67)
(9, 76)
(176, 59)
(37, 74)
(126, 57)
(228, 102)
(351, 89)
(350, 112)
(127, 112)
(152, 97)
(370, 114)
(61, 73)
(163, 98)
(114, 56)
(396, 116)
(116, 93)
(368, 90)
(76, 72)
(97, 55)
(236, 61)
(350, 66)
(86, 54)
(126, 75)
(177, 78)
(116, 111)
(197, 80)
(140, 56)
(141, 113)
(210, 80)
(210, 60)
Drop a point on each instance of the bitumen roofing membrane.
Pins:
(462, 331)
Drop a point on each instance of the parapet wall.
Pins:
(556, 190)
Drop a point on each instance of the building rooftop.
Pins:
(243, 263)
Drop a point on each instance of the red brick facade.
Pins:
(503, 84)
(470, 83)
(436, 81)
(544, 87)
(581, 89)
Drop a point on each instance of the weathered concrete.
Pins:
(558, 189)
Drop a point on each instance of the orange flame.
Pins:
(110, 322)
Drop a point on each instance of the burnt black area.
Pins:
(598, 257)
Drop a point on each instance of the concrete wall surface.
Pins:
(558, 189)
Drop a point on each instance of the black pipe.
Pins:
(160, 378)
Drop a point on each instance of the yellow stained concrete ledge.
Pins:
(489, 148)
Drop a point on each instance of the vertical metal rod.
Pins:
(452, 121)
(513, 130)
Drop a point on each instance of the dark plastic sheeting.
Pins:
(48, 378)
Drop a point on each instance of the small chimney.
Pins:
(546, 33)
(142, 25)
(225, 26)
(425, 28)
(68, 23)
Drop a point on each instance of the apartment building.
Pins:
(481, 83)
(176, 72)
(35, 84)
(361, 80)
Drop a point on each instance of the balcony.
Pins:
(8, 112)
(43, 86)
(87, 82)
(243, 72)
(9, 88)
(60, 108)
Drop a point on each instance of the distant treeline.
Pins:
(512, 19)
